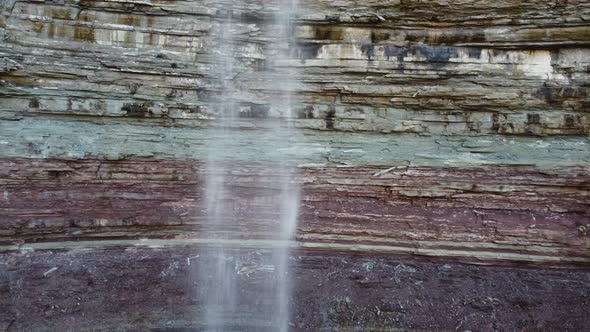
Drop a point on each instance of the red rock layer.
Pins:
(485, 214)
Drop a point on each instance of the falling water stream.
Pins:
(228, 222)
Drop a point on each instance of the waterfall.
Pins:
(289, 189)
(218, 272)
(226, 222)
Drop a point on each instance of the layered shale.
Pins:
(444, 160)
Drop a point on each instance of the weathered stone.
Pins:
(426, 128)
(485, 214)
(426, 73)
(140, 288)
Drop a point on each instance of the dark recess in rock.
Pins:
(57, 173)
(557, 95)
(369, 50)
(35, 148)
(308, 51)
(261, 65)
(496, 122)
(533, 119)
(133, 87)
(324, 32)
(437, 56)
(173, 94)
(84, 34)
(253, 17)
(306, 113)
(330, 118)
(394, 51)
(501, 125)
(137, 109)
(255, 112)
(474, 52)
(569, 121)
(332, 18)
(34, 103)
(377, 36)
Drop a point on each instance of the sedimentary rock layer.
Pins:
(103, 138)
(448, 130)
(487, 213)
(510, 67)
(144, 289)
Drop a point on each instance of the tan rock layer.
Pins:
(511, 67)
(485, 214)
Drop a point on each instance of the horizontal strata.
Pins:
(510, 68)
(140, 288)
(485, 214)
(452, 131)
(103, 138)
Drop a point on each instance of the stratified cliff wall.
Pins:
(435, 138)
(436, 67)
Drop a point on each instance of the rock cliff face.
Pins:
(432, 67)
(435, 138)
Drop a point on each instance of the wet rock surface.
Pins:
(139, 288)
(442, 147)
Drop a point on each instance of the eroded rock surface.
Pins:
(453, 131)
(484, 213)
(422, 67)
(138, 288)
